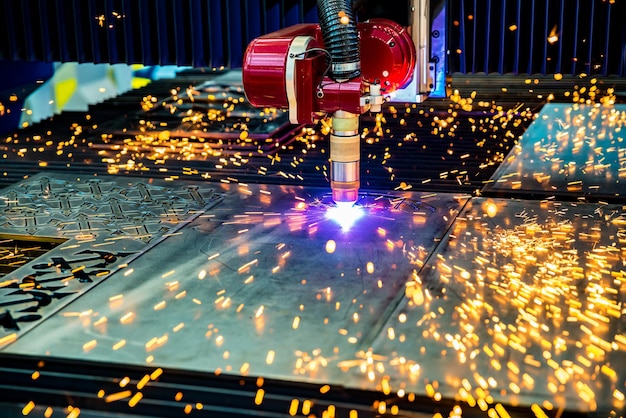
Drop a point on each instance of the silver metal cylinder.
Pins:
(345, 156)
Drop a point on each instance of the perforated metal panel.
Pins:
(537, 36)
(201, 33)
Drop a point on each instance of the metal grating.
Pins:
(153, 32)
(537, 37)
(416, 144)
(219, 395)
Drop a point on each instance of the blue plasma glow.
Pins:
(345, 214)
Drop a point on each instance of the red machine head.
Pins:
(288, 69)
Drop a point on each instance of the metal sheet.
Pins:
(523, 303)
(263, 283)
(97, 224)
(575, 149)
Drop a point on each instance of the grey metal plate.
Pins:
(104, 222)
(576, 149)
(262, 283)
(522, 303)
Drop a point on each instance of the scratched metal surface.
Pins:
(569, 149)
(262, 284)
(524, 302)
(97, 225)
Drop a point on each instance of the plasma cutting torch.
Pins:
(337, 68)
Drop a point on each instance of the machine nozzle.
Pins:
(348, 196)
(345, 155)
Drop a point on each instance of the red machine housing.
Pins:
(288, 69)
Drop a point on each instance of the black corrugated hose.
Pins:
(341, 38)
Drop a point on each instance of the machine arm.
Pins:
(337, 68)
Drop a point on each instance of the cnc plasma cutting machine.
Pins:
(340, 68)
